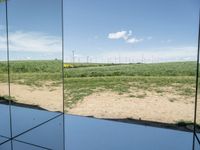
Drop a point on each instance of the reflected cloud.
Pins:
(31, 42)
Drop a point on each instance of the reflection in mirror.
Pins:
(35, 62)
(6, 146)
(136, 64)
(4, 86)
(121, 136)
(53, 130)
(20, 145)
(196, 144)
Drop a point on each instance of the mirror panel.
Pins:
(53, 130)
(118, 81)
(35, 40)
(196, 144)
(136, 64)
(6, 146)
(4, 83)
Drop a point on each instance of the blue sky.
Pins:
(105, 30)
(159, 27)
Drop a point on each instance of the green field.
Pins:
(84, 79)
(32, 73)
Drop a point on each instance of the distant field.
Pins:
(100, 69)
(32, 72)
(159, 69)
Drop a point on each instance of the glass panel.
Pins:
(35, 40)
(3, 139)
(19, 146)
(131, 60)
(93, 134)
(196, 144)
(6, 146)
(4, 88)
(4, 119)
(52, 129)
(16, 145)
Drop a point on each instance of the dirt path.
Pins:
(153, 107)
(44, 97)
(166, 107)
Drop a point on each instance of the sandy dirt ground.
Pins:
(44, 97)
(165, 107)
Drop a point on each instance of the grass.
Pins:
(159, 69)
(77, 88)
(84, 79)
(32, 73)
(32, 66)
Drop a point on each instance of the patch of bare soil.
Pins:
(166, 107)
(44, 97)
(152, 106)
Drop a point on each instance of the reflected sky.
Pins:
(82, 133)
(35, 33)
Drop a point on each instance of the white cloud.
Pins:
(125, 35)
(120, 35)
(133, 40)
(31, 42)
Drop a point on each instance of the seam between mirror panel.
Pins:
(63, 86)
(8, 64)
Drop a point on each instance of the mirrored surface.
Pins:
(3, 139)
(29, 118)
(4, 120)
(131, 59)
(4, 86)
(16, 145)
(36, 86)
(35, 62)
(50, 135)
(196, 144)
(40, 135)
(89, 134)
(25, 146)
(6, 146)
